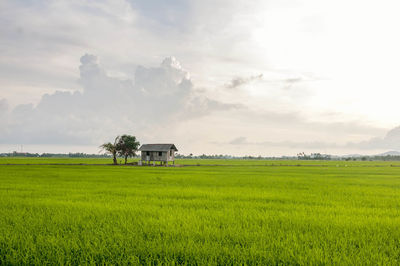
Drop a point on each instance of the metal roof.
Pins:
(157, 147)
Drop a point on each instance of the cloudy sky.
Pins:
(217, 77)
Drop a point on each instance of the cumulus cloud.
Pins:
(108, 106)
(390, 141)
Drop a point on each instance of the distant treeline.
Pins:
(58, 155)
(300, 156)
(226, 156)
(373, 158)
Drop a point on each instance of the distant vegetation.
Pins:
(300, 156)
(313, 156)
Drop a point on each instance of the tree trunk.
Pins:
(115, 158)
(126, 159)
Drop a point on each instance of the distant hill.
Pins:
(391, 153)
(388, 153)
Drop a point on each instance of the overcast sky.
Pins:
(217, 77)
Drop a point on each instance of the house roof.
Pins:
(157, 147)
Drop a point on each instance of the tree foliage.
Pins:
(127, 146)
(111, 148)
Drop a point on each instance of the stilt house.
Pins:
(163, 153)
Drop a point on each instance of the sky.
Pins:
(268, 78)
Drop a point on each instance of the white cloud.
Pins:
(391, 141)
(239, 81)
(109, 106)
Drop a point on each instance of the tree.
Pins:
(127, 146)
(111, 149)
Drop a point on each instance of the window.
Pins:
(159, 153)
(170, 152)
(147, 153)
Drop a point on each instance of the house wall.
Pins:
(154, 156)
(171, 155)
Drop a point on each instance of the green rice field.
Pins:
(213, 212)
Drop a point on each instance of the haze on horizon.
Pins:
(217, 77)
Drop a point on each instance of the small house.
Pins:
(162, 153)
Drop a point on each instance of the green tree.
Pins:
(127, 146)
(111, 149)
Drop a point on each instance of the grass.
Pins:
(242, 212)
